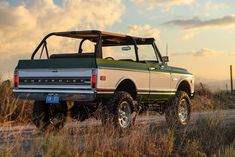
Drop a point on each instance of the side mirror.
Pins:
(126, 48)
(165, 59)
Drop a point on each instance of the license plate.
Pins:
(52, 99)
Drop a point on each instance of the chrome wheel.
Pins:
(183, 111)
(178, 112)
(124, 114)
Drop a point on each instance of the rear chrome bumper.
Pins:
(64, 95)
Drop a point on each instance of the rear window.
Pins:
(123, 52)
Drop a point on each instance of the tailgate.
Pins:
(55, 78)
(70, 73)
(60, 79)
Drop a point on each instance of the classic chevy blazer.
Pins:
(110, 76)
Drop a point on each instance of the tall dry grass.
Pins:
(19, 111)
(15, 110)
(207, 137)
(205, 99)
(11, 108)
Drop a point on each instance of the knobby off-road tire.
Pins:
(120, 111)
(46, 116)
(178, 113)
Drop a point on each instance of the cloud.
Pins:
(226, 21)
(196, 23)
(166, 4)
(204, 52)
(22, 26)
(144, 31)
(183, 22)
(214, 6)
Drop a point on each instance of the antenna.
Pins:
(166, 49)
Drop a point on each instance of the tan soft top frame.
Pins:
(99, 37)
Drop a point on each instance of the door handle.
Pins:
(161, 67)
(152, 68)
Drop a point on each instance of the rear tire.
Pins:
(47, 116)
(178, 113)
(120, 111)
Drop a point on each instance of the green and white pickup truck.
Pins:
(110, 76)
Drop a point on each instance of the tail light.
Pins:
(16, 79)
(93, 79)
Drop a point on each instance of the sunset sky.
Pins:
(200, 33)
